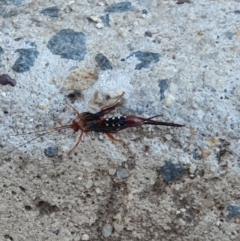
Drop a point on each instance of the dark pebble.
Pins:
(183, 1)
(7, 80)
(1, 52)
(237, 11)
(163, 85)
(103, 62)
(26, 60)
(68, 44)
(10, 14)
(11, 2)
(229, 35)
(233, 211)
(196, 154)
(119, 7)
(148, 34)
(172, 172)
(105, 20)
(144, 11)
(51, 12)
(51, 151)
(121, 173)
(146, 58)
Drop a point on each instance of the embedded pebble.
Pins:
(1, 52)
(95, 19)
(169, 100)
(196, 154)
(163, 85)
(14, 2)
(51, 12)
(42, 106)
(234, 210)
(103, 62)
(99, 25)
(119, 7)
(112, 171)
(85, 237)
(168, 137)
(146, 59)
(192, 168)
(89, 184)
(51, 151)
(68, 44)
(118, 227)
(10, 14)
(121, 173)
(107, 230)
(80, 80)
(7, 80)
(26, 59)
(105, 20)
(172, 172)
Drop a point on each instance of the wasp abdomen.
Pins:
(118, 121)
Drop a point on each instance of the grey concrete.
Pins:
(177, 60)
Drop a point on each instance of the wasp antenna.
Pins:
(47, 132)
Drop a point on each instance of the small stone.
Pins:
(99, 25)
(26, 59)
(192, 168)
(233, 210)
(85, 237)
(5, 79)
(183, 1)
(51, 151)
(146, 58)
(205, 153)
(51, 12)
(42, 106)
(107, 230)
(95, 19)
(163, 86)
(20, 125)
(77, 238)
(212, 142)
(112, 171)
(103, 62)
(168, 137)
(172, 172)
(196, 154)
(121, 173)
(105, 20)
(68, 44)
(89, 184)
(169, 100)
(119, 7)
(118, 227)
(80, 80)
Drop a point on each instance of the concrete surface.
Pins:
(177, 60)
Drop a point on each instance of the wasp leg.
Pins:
(113, 105)
(75, 110)
(112, 138)
(79, 139)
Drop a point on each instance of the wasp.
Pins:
(97, 122)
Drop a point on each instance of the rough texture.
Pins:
(185, 68)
